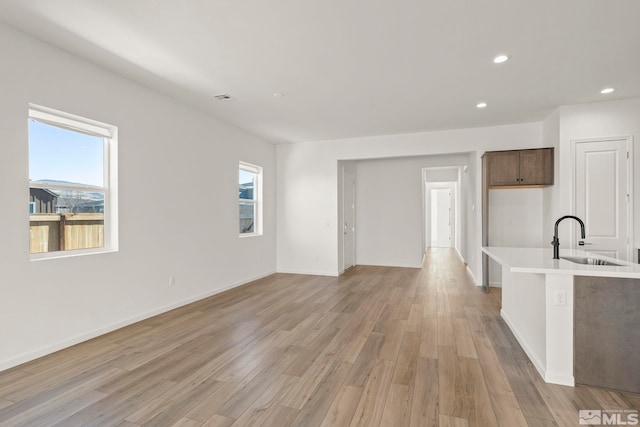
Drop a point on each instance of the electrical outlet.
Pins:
(560, 297)
(172, 280)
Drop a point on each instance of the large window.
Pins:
(250, 194)
(72, 191)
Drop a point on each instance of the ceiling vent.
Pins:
(222, 97)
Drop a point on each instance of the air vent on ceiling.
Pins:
(222, 97)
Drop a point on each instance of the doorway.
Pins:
(442, 218)
(441, 225)
(603, 195)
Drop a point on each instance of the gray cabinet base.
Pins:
(607, 332)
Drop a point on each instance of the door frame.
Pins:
(344, 216)
(572, 180)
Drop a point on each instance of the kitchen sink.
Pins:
(588, 260)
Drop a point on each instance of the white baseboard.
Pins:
(540, 367)
(32, 355)
(374, 264)
(548, 377)
(310, 272)
(473, 277)
(555, 378)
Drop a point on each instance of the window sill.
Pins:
(245, 235)
(69, 254)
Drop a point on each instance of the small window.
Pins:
(250, 193)
(72, 179)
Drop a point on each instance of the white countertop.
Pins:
(540, 260)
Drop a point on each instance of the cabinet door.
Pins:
(536, 167)
(504, 168)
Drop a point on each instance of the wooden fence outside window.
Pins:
(64, 232)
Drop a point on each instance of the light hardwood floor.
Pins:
(377, 346)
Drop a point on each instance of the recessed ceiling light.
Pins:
(607, 90)
(500, 59)
(481, 105)
(278, 95)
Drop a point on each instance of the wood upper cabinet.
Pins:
(520, 167)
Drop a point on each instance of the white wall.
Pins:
(515, 220)
(389, 208)
(603, 119)
(178, 205)
(551, 194)
(524, 309)
(307, 183)
(441, 174)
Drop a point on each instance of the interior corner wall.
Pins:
(307, 186)
(178, 205)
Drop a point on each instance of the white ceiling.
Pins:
(354, 68)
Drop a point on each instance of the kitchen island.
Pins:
(541, 298)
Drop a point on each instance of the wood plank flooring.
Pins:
(377, 346)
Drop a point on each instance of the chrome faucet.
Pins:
(555, 242)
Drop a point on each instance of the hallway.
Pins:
(377, 346)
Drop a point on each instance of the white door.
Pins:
(602, 192)
(441, 217)
(349, 215)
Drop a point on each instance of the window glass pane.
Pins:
(65, 220)
(247, 217)
(246, 184)
(61, 155)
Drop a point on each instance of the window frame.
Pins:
(91, 127)
(256, 201)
